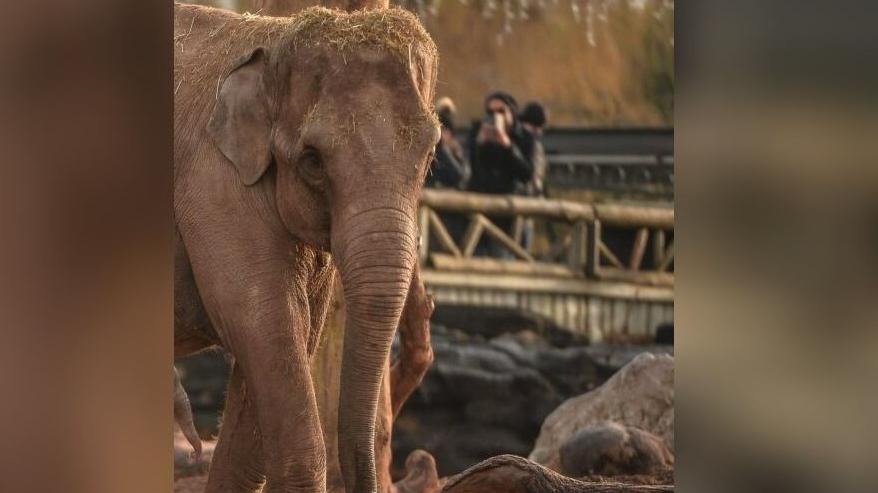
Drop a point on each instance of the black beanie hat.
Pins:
(533, 113)
(505, 97)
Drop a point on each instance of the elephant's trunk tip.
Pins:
(183, 416)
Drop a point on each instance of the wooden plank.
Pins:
(486, 264)
(518, 229)
(472, 234)
(576, 255)
(621, 317)
(443, 235)
(505, 205)
(560, 246)
(638, 321)
(593, 262)
(605, 251)
(649, 278)
(503, 238)
(639, 249)
(635, 215)
(658, 247)
(538, 284)
(668, 258)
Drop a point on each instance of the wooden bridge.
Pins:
(604, 270)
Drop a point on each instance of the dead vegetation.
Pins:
(206, 40)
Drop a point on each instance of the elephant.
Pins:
(300, 147)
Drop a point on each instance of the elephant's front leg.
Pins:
(270, 352)
(237, 465)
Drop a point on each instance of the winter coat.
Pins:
(502, 170)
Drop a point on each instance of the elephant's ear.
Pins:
(241, 124)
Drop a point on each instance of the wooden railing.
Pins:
(580, 249)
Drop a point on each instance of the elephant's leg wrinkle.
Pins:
(277, 379)
(237, 460)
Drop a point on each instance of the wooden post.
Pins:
(443, 235)
(503, 238)
(577, 256)
(639, 249)
(593, 264)
(518, 228)
(472, 235)
(658, 247)
(667, 259)
(609, 255)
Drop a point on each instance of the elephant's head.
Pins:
(334, 117)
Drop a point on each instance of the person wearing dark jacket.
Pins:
(502, 157)
(500, 149)
(533, 118)
(449, 168)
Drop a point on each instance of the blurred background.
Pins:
(590, 62)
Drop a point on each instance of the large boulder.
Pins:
(611, 449)
(640, 395)
(488, 396)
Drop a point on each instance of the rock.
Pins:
(610, 358)
(640, 395)
(611, 449)
(487, 397)
(494, 321)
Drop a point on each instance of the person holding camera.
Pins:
(501, 157)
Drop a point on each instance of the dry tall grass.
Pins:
(625, 79)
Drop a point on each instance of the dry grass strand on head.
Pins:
(229, 36)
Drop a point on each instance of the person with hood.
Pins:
(450, 168)
(533, 118)
(501, 152)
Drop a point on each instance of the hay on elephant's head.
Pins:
(208, 42)
(396, 30)
(204, 51)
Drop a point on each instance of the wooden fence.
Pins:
(607, 271)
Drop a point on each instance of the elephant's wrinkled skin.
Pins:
(296, 137)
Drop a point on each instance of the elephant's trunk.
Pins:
(375, 251)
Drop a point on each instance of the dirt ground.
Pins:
(190, 476)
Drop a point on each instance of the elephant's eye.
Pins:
(311, 165)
